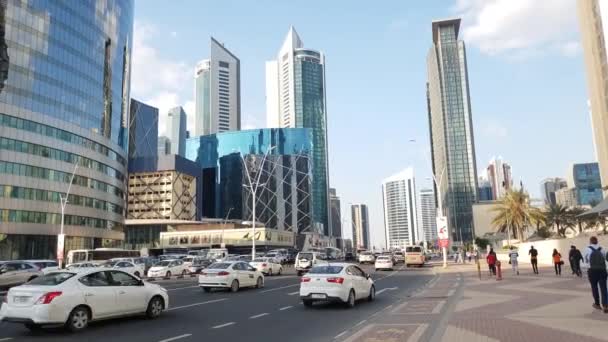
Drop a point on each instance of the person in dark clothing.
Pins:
(575, 256)
(491, 259)
(533, 253)
(595, 258)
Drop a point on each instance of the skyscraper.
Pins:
(176, 129)
(548, 188)
(584, 180)
(217, 92)
(163, 145)
(499, 176)
(593, 22)
(295, 97)
(64, 101)
(400, 210)
(427, 215)
(360, 221)
(143, 130)
(451, 128)
(336, 216)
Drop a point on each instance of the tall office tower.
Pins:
(163, 145)
(360, 222)
(64, 102)
(593, 21)
(485, 192)
(176, 129)
(400, 210)
(143, 130)
(451, 128)
(548, 188)
(499, 176)
(295, 97)
(584, 180)
(427, 214)
(217, 92)
(336, 216)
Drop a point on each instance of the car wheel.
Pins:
(33, 327)
(372, 294)
(350, 302)
(155, 307)
(234, 286)
(307, 303)
(137, 274)
(78, 319)
(259, 283)
(207, 289)
(168, 274)
(270, 272)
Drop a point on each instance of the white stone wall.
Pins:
(545, 248)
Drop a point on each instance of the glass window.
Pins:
(326, 270)
(95, 279)
(51, 279)
(123, 279)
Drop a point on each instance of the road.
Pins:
(273, 313)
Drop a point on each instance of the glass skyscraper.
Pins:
(176, 128)
(451, 128)
(585, 180)
(295, 97)
(64, 101)
(360, 222)
(143, 130)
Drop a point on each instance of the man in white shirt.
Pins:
(595, 258)
(513, 255)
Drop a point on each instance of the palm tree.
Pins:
(557, 216)
(514, 213)
(574, 219)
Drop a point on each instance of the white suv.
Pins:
(366, 257)
(305, 261)
(336, 282)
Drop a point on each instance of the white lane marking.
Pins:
(293, 293)
(386, 289)
(182, 288)
(285, 308)
(363, 321)
(172, 338)
(280, 288)
(260, 315)
(341, 334)
(223, 325)
(197, 304)
(6, 339)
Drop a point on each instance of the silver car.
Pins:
(18, 272)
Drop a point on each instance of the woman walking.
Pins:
(557, 262)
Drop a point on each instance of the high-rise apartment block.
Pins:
(499, 176)
(584, 179)
(217, 92)
(451, 128)
(360, 222)
(427, 215)
(400, 210)
(548, 188)
(336, 216)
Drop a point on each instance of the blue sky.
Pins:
(527, 81)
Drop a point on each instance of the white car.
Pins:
(232, 275)
(281, 258)
(167, 268)
(81, 266)
(366, 257)
(74, 299)
(384, 262)
(135, 269)
(46, 266)
(336, 282)
(268, 266)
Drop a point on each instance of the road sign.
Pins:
(444, 243)
(442, 231)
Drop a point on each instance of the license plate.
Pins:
(318, 296)
(20, 299)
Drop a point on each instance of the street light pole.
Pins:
(61, 237)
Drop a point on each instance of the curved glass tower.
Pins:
(64, 102)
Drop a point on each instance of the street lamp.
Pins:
(223, 245)
(61, 237)
(253, 187)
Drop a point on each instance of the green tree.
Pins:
(482, 243)
(514, 213)
(557, 216)
(574, 220)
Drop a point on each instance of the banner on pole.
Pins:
(442, 231)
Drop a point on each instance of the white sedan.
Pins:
(268, 266)
(135, 269)
(167, 268)
(384, 262)
(336, 282)
(230, 274)
(73, 299)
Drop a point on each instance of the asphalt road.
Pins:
(273, 313)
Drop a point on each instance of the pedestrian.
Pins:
(470, 255)
(557, 262)
(533, 253)
(575, 256)
(491, 259)
(513, 255)
(595, 258)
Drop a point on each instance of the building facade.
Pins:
(336, 216)
(56, 115)
(586, 182)
(143, 130)
(360, 221)
(176, 129)
(229, 159)
(400, 210)
(427, 215)
(295, 97)
(549, 186)
(163, 145)
(451, 128)
(593, 24)
(499, 176)
(566, 197)
(484, 190)
(217, 89)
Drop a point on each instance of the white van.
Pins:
(306, 260)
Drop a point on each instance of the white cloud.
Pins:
(520, 27)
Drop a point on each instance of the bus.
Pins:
(414, 255)
(99, 254)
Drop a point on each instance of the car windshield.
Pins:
(51, 279)
(164, 263)
(307, 256)
(188, 259)
(220, 266)
(326, 270)
(260, 260)
(271, 255)
(109, 264)
(413, 249)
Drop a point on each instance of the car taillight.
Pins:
(48, 297)
(305, 279)
(223, 273)
(264, 265)
(335, 280)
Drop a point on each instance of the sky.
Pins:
(526, 73)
